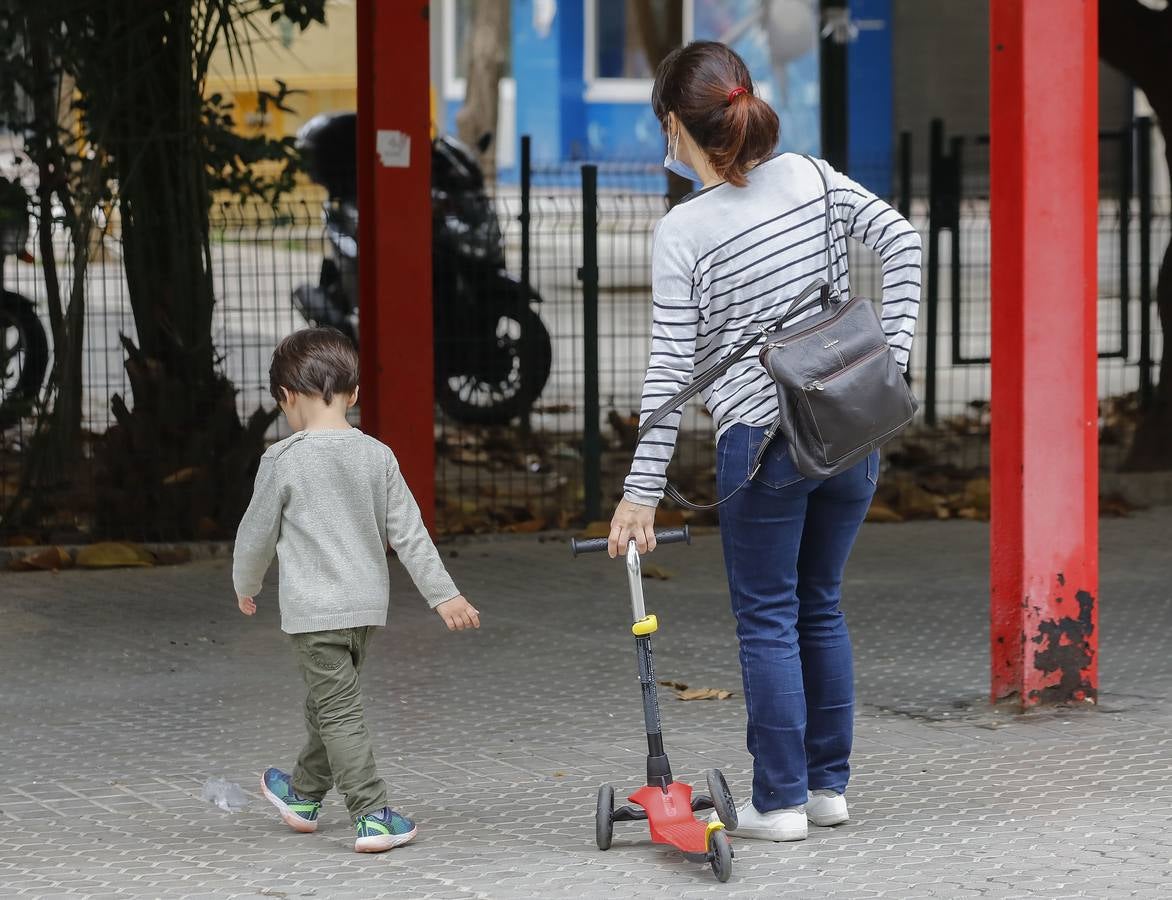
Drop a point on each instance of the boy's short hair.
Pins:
(317, 362)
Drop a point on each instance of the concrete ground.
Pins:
(124, 691)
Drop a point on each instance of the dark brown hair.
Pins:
(735, 128)
(317, 362)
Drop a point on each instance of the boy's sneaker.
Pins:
(382, 830)
(778, 825)
(299, 813)
(827, 808)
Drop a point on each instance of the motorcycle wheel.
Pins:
(523, 350)
(24, 357)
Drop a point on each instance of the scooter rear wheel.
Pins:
(720, 856)
(604, 817)
(722, 800)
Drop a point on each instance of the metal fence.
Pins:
(583, 242)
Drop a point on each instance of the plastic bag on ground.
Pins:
(227, 795)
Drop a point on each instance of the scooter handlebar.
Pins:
(663, 536)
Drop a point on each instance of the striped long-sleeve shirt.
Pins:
(728, 260)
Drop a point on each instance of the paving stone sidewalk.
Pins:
(124, 691)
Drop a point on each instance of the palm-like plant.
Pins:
(139, 69)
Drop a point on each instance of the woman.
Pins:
(727, 260)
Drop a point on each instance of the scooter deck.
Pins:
(671, 819)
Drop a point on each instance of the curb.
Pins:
(183, 551)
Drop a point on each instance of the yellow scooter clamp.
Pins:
(708, 832)
(645, 626)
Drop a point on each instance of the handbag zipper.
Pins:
(805, 331)
(819, 384)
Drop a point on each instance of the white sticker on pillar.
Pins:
(394, 149)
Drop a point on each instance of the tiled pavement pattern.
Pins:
(124, 691)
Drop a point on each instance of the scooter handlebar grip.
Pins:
(663, 536)
(587, 545)
(674, 536)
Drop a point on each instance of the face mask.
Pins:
(674, 164)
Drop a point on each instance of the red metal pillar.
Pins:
(1044, 168)
(394, 204)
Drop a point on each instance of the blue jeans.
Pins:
(786, 541)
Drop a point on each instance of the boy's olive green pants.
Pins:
(339, 751)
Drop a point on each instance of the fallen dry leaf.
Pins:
(704, 694)
(529, 526)
(597, 530)
(1114, 507)
(113, 555)
(880, 512)
(183, 475)
(676, 685)
(48, 559)
(467, 457)
(172, 556)
(657, 572)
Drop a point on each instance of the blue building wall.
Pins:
(625, 137)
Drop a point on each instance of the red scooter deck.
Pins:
(670, 817)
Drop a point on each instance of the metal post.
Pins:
(1126, 149)
(905, 174)
(524, 218)
(591, 431)
(1143, 137)
(932, 293)
(833, 63)
(1045, 474)
(955, 169)
(394, 201)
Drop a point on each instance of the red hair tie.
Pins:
(736, 92)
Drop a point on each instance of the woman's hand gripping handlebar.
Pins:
(599, 545)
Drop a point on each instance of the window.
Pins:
(624, 40)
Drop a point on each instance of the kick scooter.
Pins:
(666, 805)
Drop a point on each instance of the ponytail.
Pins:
(708, 86)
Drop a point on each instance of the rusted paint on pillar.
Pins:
(394, 204)
(1044, 169)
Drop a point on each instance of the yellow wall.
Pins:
(320, 61)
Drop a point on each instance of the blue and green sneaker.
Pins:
(382, 830)
(299, 813)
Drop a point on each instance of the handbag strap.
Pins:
(830, 280)
(671, 491)
(799, 305)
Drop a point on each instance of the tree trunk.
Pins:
(58, 445)
(1137, 40)
(486, 48)
(179, 458)
(660, 37)
(1151, 448)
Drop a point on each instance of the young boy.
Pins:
(329, 500)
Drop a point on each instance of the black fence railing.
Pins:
(580, 237)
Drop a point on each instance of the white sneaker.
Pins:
(778, 825)
(827, 808)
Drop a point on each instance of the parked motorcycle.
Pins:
(492, 351)
(24, 347)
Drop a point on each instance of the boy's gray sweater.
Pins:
(328, 503)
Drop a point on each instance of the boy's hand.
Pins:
(458, 614)
(247, 605)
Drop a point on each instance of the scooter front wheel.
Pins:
(722, 800)
(720, 856)
(604, 817)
